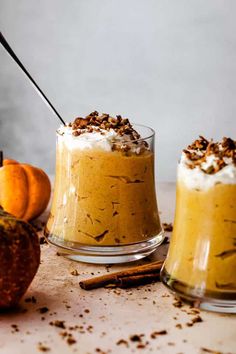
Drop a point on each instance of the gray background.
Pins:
(169, 64)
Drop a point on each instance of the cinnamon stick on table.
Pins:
(123, 279)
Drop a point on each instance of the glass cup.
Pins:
(104, 207)
(201, 261)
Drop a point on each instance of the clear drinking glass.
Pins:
(201, 262)
(104, 207)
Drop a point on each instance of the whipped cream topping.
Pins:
(103, 139)
(206, 164)
(101, 132)
(196, 178)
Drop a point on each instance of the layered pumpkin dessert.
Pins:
(104, 189)
(202, 255)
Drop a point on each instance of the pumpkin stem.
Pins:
(1, 158)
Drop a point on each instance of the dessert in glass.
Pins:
(104, 208)
(201, 262)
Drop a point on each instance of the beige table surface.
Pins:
(102, 317)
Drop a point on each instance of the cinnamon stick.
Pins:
(135, 280)
(125, 278)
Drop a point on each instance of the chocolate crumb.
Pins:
(122, 341)
(136, 337)
(194, 320)
(197, 319)
(194, 311)
(177, 303)
(15, 328)
(31, 299)
(168, 227)
(166, 240)
(43, 348)
(42, 240)
(141, 346)
(155, 334)
(207, 350)
(58, 323)
(43, 310)
(71, 340)
(179, 326)
(63, 334)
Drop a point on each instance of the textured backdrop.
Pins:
(164, 63)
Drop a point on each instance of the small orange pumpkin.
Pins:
(24, 189)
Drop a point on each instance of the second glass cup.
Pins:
(201, 262)
(104, 208)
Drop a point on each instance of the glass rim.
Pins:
(149, 136)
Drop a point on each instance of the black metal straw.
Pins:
(13, 55)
